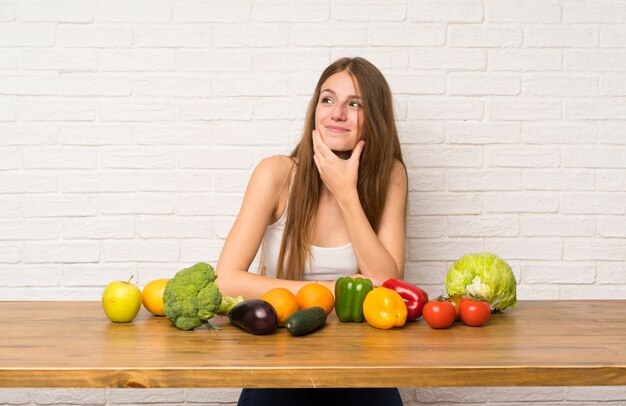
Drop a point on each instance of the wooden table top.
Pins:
(537, 343)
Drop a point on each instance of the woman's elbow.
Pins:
(398, 270)
(226, 283)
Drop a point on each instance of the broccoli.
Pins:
(191, 298)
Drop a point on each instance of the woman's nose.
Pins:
(338, 113)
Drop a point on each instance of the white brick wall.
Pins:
(129, 128)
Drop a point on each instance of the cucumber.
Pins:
(305, 321)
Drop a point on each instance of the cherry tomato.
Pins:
(475, 313)
(456, 302)
(439, 314)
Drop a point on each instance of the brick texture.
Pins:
(129, 129)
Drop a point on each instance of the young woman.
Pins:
(335, 207)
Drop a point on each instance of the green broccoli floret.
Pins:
(191, 298)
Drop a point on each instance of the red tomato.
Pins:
(456, 302)
(475, 313)
(439, 314)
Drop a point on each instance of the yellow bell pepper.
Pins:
(384, 308)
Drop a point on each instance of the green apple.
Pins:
(121, 301)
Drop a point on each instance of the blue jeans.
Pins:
(325, 397)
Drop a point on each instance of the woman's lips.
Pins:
(335, 128)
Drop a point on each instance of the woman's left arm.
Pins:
(380, 256)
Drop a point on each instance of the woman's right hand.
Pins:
(340, 176)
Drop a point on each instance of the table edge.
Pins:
(313, 377)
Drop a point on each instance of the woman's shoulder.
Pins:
(274, 169)
(398, 171)
(398, 179)
(276, 164)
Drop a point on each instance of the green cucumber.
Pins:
(305, 321)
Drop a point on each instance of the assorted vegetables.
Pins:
(477, 285)
(384, 308)
(414, 297)
(439, 313)
(485, 276)
(191, 298)
(255, 316)
(474, 313)
(456, 302)
(349, 297)
(306, 321)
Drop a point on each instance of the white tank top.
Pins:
(325, 264)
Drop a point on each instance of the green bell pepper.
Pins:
(349, 296)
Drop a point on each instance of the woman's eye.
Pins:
(326, 100)
(355, 104)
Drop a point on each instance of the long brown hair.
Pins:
(382, 148)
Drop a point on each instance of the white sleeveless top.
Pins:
(325, 264)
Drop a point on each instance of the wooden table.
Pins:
(537, 343)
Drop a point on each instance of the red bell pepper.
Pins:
(414, 297)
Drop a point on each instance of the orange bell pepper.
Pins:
(384, 308)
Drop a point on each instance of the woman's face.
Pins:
(339, 115)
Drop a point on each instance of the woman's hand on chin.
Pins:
(339, 175)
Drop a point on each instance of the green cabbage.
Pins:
(483, 275)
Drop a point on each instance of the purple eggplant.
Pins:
(255, 316)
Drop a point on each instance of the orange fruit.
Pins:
(283, 301)
(152, 296)
(314, 294)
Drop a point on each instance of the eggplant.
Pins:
(255, 316)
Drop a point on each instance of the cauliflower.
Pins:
(191, 298)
